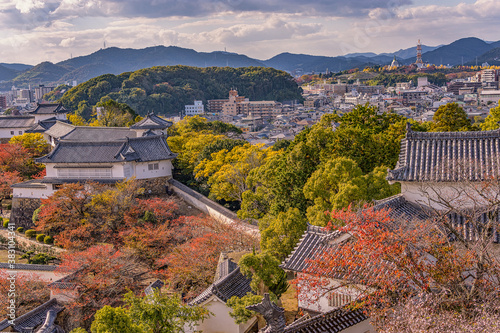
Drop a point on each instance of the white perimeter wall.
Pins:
(5, 132)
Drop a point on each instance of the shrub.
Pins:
(40, 238)
(9, 207)
(20, 229)
(5, 223)
(34, 218)
(30, 233)
(48, 240)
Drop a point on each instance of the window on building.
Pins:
(84, 173)
(153, 166)
(11, 132)
(20, 132)
(337, 299)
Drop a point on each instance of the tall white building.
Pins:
(196, 108)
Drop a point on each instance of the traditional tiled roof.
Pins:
(49, 108)
(313, 243)
(33, 183)
(332, 322)
(232, 284)
(400, 208)
(45, 125)
(98, 134)
(448, 156)
(29, 267)
(155, 285)
(144, 149)
(16, 121)
(60, 129)
(152, 121)
(36, 317)
(67, 282)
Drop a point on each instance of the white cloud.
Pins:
(67, 42)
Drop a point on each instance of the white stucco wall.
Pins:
(460, 195)
(220, 321)
(33, 193)
(141, 169)
(5, 132)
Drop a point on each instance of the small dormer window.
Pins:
(130, 150)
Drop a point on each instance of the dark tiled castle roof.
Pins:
(152, 121)
(144, 149)
(332, 322)
(227, 286)
(448, 156)
(49, 108)
(36, 317)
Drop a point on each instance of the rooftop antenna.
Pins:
(104, 44)
(225, 50)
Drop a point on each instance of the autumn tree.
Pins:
(393, 262)
(6, 180)
(491, 121)
(35, 143)
(29, 293)
(101, 275)
(15, 157)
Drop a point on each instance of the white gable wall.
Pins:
(142, 170)
(220, 321)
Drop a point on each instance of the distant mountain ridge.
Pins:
(116, 61)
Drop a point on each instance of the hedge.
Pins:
(20, 229)
(48, 240)
(30, 233)
(40, 238)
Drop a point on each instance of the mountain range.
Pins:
(116, 60)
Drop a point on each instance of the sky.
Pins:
(32, 31)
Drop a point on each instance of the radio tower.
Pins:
(419, 61)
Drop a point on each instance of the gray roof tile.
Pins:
(232, 284)
(16, 121)
(98, 134)
(49, 108)
(152, 121)
(36, 317)
(145, 149)
(448, 156)
(332, 322)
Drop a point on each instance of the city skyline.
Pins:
(34, 31)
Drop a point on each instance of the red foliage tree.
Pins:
(101, 276)
(7, 178)
(392, 262)
(14, 157)
(29, 293)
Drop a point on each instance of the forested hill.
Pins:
(166, 90)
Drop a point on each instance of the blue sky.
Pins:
(33, 31)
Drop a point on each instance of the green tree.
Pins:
(238, 305)
(114, 320)
(113, 114)
(451, 118)
(280, 234)
(492, 120)
(265, 272)
(153, 313)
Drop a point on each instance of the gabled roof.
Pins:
(45, 125)
(98, 134)
(332, 322)
(16, 121)
(60, 129)
(27, 322)
(152, 121)
(144, 149)
(155, 285)
(448, 156)
(232, 284)
(49, 108)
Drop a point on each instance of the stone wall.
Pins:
(154, 186)
(22, 212)
(211, 208)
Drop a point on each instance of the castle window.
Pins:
(153, 166)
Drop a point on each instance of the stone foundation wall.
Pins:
(22, 211)
(154, 186)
